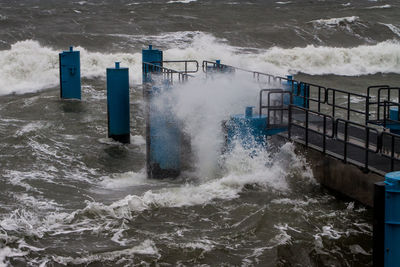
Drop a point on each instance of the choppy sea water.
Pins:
(71, 196)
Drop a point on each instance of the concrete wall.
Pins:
(347, 179)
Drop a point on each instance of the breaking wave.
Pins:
(29, 66)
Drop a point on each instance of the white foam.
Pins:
(379, 7)
(181, 1)
(335, 21)
(7, 252)
(125, 179)
(147, 247)
(394, 29)
(29, 67)
(30, 127)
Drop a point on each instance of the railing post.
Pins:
(290, 122)
(324, 137)
(366, 149)
(348, 106)
(392, 154)
(306, 127)
(333, 103)
(345, 142)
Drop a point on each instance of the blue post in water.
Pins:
(163, 139)
(163, 134)
(153, 56)
(70, 74)
(118, 103)
(392, 219)
(394, 116)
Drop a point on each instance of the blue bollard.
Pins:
(70, 74)
(163, 139)
(392, 219)
(153, 56)
(118, 103)
(394, 116)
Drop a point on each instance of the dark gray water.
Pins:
(71, 196)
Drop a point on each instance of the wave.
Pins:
(393, 28)
(379, 7)
(335, 21)
(181, 1)
(30, 67)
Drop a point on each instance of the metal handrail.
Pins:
(169, 73)
(180, 61)
(386, 112)
(366, 147)
(348, 107)
(307, 128)
(393, 138)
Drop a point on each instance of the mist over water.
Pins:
(71, 196)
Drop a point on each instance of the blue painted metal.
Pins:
(394, 116)
(153, 56)
(118, 103)
(70, 74)
(298, 93)
(249, 129)
(392, 219)
(164, 138)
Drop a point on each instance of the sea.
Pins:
(70, 196)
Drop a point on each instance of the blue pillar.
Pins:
(70, 74)
(394, 116)
(118, 103)
(163, 139)
(153, 56)
(392, 219)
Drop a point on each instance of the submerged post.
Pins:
(70, 74)
(392, 219)
(163, 135)
(118, 103)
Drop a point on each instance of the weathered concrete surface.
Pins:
(347, 179)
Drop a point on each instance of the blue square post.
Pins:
(154, 57)
(70, 74)
(392, 219)
(118, 103)
(394, 125)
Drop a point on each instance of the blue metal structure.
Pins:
(249, 129)
(392, 219)
(163, 138)
(118, 112)
(394, 116)
(70, 74)
(153, 56)
(300, 92)
(163, 135)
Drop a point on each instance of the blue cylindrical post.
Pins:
(152, 56)
(392, 219)
(70, 74)
(118, 103)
